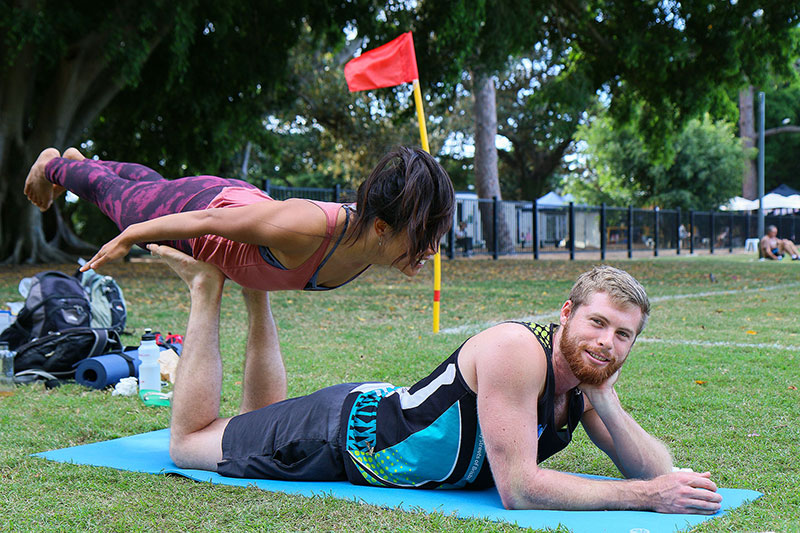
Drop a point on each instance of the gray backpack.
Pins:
(105, 297)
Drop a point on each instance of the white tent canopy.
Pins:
(771, 201)
(739, 203)
(553, 199)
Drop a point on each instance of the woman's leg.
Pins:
(127, 193)
(124, 201)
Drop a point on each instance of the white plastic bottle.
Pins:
(149, 369)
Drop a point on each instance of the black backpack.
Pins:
(59, 352)
(55, 302)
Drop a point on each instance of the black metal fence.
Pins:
(495, 228)
(333, 194)
(525, 227)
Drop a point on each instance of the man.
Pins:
(510, 396)
(463, 240)
(773, 248)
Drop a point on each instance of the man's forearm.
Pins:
(637, 454)
(549, 489)
(671, 493)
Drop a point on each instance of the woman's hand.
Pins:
(117, 247)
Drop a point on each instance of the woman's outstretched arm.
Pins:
(291, 226)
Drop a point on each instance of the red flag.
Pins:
(386, 66)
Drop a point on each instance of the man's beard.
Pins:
(572, 350)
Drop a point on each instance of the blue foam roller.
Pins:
(104, 370)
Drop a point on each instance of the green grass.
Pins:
(714, 375)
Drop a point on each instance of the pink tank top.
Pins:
(244, 263)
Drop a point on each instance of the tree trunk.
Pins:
(747, 132)
(487, 181)
(35, 115)
(26, 234)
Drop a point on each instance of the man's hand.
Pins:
(596, 393)
(685, 492)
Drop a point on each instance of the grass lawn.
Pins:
(715, 375)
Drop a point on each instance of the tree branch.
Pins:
(576, 15)
(781, 129)
(100, 94)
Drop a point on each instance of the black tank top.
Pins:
(552, 439)
(428, 436)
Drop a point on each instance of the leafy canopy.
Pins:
(620, 169)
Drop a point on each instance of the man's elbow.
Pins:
(519, 493)
(516, 501)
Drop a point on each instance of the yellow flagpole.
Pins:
(437, 259)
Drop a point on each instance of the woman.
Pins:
(402, 211)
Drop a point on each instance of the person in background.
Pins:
(463, 240)
(774, 248)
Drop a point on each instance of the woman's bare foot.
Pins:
(196, 274)
(74, 154)
(38, 190)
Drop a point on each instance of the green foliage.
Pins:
(678, 58)
(781, 164)
(704, 170)
(541, 101)
(202, 107)
(658, 63)
(201, 78)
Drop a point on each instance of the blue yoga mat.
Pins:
(149, 453)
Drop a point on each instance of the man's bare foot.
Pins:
(38, 190)
(196, 274)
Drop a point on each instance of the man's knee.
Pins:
(179, 451)
(199, 449)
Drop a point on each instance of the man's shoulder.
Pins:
(511, 333)
(512, 344)
(504, 361)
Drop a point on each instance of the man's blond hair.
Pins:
(621, 287)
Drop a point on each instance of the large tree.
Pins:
(781, 132)
(679, 58)
(540, 108)
(478, 37)
(176, 84)
(703, 171)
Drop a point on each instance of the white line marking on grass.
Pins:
(717, 293)
(474, 328)
(726, 344)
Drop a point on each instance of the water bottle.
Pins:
(149, 369)
(6, 370)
